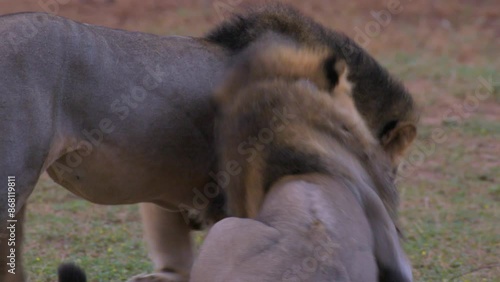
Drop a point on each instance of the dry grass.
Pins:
(450, 200)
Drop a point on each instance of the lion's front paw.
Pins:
(158, 277)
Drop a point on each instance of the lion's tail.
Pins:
(69, 272)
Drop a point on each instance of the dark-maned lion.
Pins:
(381, 100)
(318, 189)
(122, 117)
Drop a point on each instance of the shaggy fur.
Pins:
(382, 100)
(323, 148)
(285, 61)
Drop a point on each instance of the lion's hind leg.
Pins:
(169, 244)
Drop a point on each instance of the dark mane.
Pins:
(380, 98)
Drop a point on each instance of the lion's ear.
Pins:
(397, 138)
(341, 69)
(330, 70)
(336, 72)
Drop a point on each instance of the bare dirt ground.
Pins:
(448, 55)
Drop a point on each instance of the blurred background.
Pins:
(448, 55)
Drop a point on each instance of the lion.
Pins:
(319, 183)
(286, 60)
(120, 117)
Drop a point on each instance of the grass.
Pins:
(450, 207)
(104, 240)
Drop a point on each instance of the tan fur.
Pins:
(324, 114)
(286, 60)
